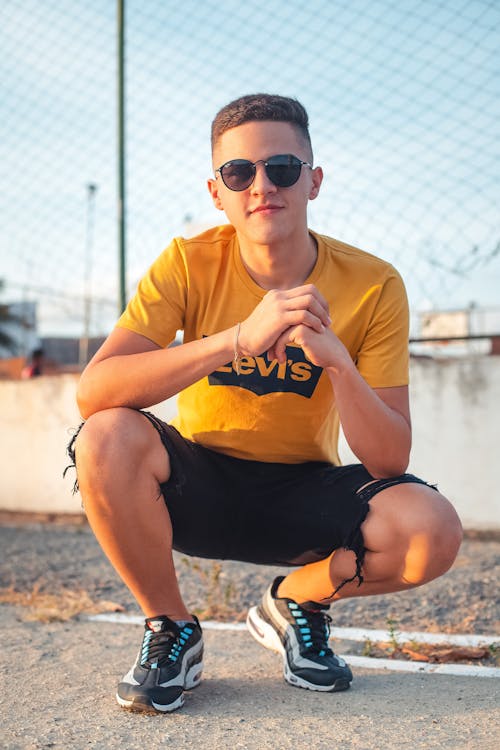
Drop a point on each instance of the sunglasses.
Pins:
(283, 170)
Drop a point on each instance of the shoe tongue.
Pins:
(159, 624)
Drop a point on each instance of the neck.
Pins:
(279, 267)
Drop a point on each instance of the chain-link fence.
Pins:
(403, 99)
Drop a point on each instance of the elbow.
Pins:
(84, 413)
(83, 400)
(83, 408)
(388, 466)
(387, 472)
(387, 469)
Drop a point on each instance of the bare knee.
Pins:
(450, 534)
(433, 543)
(108, 432)
(116, 443)
(421, 525)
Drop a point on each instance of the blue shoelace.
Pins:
(166, 645)
(314, 629)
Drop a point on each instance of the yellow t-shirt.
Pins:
(270, 412)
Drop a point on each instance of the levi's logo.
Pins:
(262, 375)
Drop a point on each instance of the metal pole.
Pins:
(83, 356)
(122, 299)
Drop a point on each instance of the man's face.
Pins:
(265, 214)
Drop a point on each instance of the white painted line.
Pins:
(347, 634)
(357, 634)
(365, 662)
(215, 625)
(395, 665)
(454, 639)
(118, 618)
(122, 619)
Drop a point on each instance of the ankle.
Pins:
(175, 615)
(313, 582)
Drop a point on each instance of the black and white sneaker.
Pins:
(170, 661)
(302, 636)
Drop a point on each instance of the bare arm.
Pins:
(130, 370)
(376, 422)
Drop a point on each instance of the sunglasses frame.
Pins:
(267, 163)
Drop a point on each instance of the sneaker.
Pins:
(169, 662)
(301, 635)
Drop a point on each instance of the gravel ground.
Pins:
(57, 679)
(57, 684)
(54, 558)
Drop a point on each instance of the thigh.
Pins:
(223, 507)
(197, 495)
(311, 512)
(306, 511)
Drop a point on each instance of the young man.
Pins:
(286, 334)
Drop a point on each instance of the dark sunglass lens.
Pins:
(284, 170)
(238, 175)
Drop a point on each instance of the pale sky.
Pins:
(403, 99)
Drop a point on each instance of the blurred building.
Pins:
(454, 333)
(19, 337)
(65, 351)
(18, 326)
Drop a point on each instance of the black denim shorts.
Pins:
(223, 507)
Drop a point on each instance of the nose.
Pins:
(261, 184)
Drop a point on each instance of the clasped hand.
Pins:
(292, 316)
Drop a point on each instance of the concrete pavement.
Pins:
(58, 682)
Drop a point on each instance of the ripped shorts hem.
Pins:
(355, 543)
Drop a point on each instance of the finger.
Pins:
(271, 353)
(279, 348)
(308, 289)
(280, 345)
(303, 317)
(309, 302)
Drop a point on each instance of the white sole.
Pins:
(152, 707)
(193, 676)
(268, 637)
(263, 632)
(192, 680)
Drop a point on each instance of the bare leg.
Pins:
(412, 535)
(121, 463)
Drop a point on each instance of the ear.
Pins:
(317, 179)
(213, 189)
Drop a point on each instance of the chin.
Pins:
(269, 236)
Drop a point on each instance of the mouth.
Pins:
(267, 208)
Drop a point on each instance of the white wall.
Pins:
(455, 407)
(455, 410)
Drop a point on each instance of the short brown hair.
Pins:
(261, 107)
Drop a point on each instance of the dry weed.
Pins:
(56, 607)
(220, 601)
